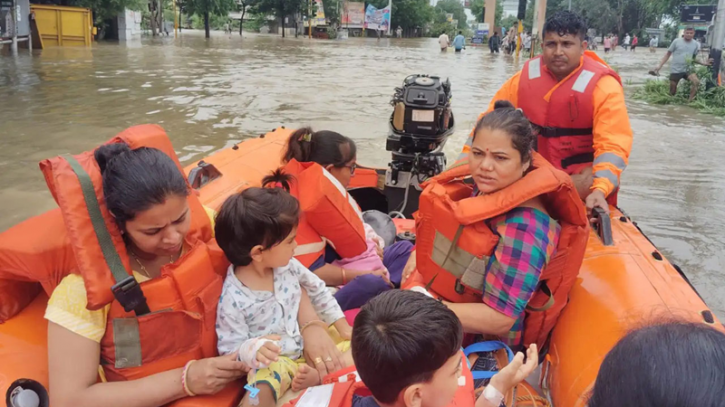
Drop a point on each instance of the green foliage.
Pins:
(408, 14)
(477, 7)
(281, 8)
(255, 23)
(508, 22)
(105, 9)
(331, 32)
(657, 91)
(332, 12)
(452, 7)
(213, 7)
(216, 22)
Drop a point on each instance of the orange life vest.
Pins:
(453, 243)
(329, 214)
(564, 123)
(175, 314)
(346, 383)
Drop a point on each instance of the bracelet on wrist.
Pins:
(313, 322)
(184, 379)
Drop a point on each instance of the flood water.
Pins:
(210, 94)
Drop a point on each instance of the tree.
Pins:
(453, 7)
(281, 9)
(332, 11)
(106, 9)
(244, 6)
(205, 8)
(478, 6)
(408, 14)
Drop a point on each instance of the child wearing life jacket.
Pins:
(363, 276)
(407, 350)
(260, 300)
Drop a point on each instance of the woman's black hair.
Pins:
(256, 217)
(135, 180)
(323, 147)
(512, 121)
(672, 364)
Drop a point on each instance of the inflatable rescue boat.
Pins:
(624, 280)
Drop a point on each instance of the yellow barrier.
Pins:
(63, 26)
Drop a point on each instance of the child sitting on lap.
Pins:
(407, 350)
(257, 312)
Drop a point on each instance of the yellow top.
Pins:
(67, 304)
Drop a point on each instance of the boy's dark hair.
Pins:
(512, 121)
(256, 216)
(566, 22)
(401, 338)
(671, 364)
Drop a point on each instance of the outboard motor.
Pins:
(420, 124)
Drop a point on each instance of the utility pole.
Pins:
(15, 12)
(569, 5)
(717, 43)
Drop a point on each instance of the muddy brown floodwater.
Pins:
(210, 94)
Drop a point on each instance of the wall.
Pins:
(129, 25)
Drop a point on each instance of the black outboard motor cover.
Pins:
(426, 103)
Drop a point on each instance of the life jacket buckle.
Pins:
(460, 288)
(129, 294)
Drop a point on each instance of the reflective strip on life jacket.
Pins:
(465, 266)
(581, 83)
(611, 158)
(535, 68)
(609, 175)
(310, 248)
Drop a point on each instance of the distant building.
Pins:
(510, 8)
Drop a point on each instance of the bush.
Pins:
(215, 22)
(711, 101)
(331, 33)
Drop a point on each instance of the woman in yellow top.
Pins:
(147, 195)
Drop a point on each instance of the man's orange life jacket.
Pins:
(565, 123)
(454, 243)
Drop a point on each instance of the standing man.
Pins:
(444, 42)
(627, 40)
(653, 42)
(527, 43)
(681, 50)
(494, 43)
(635, 42)
(399, 32)
(459, 42)
(576, 104)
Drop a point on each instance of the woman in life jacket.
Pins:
(527, 236)
(365, 275)
(147, 195)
